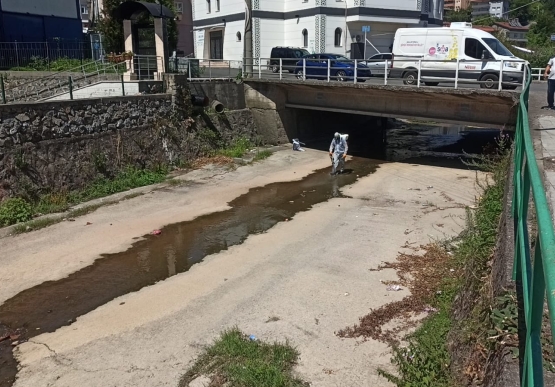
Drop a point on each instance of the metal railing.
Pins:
(206, 69)
(502, 74)
(40, 55)
(146, 67)
(58, 83)
(537, 73)
(536, 275)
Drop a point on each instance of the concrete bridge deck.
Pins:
(462, 106)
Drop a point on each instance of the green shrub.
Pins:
(14, 210)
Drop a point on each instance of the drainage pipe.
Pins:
(217, 106)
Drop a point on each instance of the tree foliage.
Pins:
(522, 10)
(112, 28)
(463, 15)
(541, 30)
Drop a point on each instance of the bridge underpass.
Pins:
(395, 140)
(313, 111)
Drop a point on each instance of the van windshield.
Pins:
(497, 46)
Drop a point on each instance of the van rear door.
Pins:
(409, 45)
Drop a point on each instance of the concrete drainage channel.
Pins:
(54, 304)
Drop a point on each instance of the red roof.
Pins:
(509, 27)
(485, 28)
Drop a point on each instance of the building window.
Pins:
(217, 5)
(178, 7)
(208, 6)
(305, 38)
(84, 10)
(338, 36)
(238, 36)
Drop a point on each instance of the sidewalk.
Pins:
(542, 127)
(547, 136)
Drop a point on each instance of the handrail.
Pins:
(537, 276)
(53, 85)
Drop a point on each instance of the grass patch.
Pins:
(237, 148)
(235, 361)
(45, 222)
(128, 179)
(261, 155)
(18, 210)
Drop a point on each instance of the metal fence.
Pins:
(537, 73)
(489, 74)
(40, 55)
(59, 83)
(537, 274)
(206, 69)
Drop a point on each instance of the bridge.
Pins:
(469, 106)
(331, 86)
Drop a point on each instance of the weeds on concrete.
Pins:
(36, 224)
(125, 180)
(237, 148)
(261, 155)
(234, 360)
(18, 210)
(435, 279)
(14, 210)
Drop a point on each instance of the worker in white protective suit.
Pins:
(338, 153)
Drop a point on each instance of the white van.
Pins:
(479, 54)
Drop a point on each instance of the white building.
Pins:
(499, 9)
(317, 25)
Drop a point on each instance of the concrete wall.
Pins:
(230, 94)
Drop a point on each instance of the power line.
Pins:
(522, 6)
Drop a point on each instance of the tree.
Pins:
(488, 21)
(520, 9)
(112, 28)
(463, 15)
(541, 30)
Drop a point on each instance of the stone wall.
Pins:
(64, 145)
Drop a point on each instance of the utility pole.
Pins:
(247, 39)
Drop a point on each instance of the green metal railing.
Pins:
(536, 275)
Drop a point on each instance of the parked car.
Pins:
(376, 63)
(289, 58)
(340, 68)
